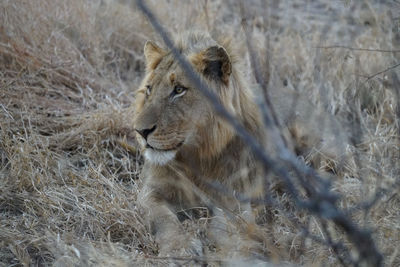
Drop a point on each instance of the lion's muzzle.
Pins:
(159, 148)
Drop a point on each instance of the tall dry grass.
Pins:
(68, 162)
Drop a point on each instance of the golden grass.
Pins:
(68, 163)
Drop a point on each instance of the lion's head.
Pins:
(171, 115)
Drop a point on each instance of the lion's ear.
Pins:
(153, 54)
(214, 63)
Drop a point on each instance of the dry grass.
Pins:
(69, 170)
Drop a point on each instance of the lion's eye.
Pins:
(148, 90)
(179, 90)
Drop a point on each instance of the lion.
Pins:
(189, 151)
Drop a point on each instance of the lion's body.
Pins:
(189, 150)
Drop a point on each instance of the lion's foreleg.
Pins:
(166, 228)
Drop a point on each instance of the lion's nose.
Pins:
(146, 132)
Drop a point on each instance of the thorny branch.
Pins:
(321, 201)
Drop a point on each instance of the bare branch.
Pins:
(381, 72)
(358, 49)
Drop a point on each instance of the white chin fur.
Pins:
(159, 157)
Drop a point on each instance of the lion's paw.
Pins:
(182, 248)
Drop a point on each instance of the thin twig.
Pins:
(383, 71)
(358, 49)
(266, 108)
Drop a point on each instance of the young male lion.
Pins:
(188, 149)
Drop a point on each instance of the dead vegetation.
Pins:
(68, 165)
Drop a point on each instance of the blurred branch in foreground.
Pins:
(321, 201)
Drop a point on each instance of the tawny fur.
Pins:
(206, 148)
